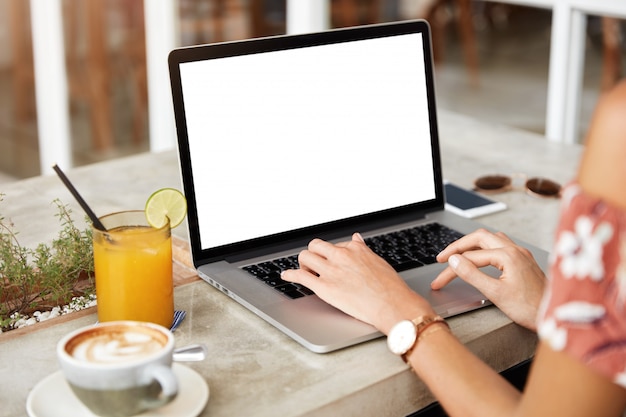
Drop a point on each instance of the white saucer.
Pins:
(53, 397)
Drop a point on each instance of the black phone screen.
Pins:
(464, 199)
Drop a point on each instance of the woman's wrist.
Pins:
(407, 334)
(408, 309)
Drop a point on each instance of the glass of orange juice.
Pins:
(133, 268)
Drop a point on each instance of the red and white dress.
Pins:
(583, 312)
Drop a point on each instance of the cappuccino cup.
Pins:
(119, 368)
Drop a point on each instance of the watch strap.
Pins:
(421, 324)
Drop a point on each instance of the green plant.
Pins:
(47, 276)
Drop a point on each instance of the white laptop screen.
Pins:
(288, 139)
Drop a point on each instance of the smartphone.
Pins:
(468, 203)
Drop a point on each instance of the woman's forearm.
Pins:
(464, 384)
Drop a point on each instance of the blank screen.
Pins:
(293, 138)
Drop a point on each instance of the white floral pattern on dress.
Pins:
(553, 334)
(582, 249)
(620, 379)
(579, 312)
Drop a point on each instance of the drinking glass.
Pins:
(133, 269)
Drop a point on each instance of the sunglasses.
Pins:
(537, 186)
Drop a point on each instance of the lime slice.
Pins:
(166, 203)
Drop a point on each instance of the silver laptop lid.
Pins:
(290, 137)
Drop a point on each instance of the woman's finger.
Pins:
(480, 239)
(466, 267)
(300, 276)
(480, 258)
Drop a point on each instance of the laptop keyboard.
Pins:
(403, 249)
(269, 272)
(414, 247)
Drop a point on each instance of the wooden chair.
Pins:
(434, 11)
(358, 12)
(88, 67)
(133, 64)
(266, 18)
(94, 66)
(210, 21)
(22, 66)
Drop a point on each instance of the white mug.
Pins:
(119, 368)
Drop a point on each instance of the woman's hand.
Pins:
(519, 289)
(354, 279)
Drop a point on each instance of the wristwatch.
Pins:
(403, 336)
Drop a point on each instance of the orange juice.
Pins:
(133, 268)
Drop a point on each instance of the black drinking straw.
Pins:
(96, 221)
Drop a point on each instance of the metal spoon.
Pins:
(191, 353)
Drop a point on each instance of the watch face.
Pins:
(401, 337)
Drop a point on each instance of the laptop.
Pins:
(288, 138)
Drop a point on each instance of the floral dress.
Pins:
(583, 312)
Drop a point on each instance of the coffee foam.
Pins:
(116, 345)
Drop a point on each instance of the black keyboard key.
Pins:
(255, 270)
(289, 290)
(427, 260)
(305, 290)
(269, 266)
(406, 265)
(274, 280)
(286, 263)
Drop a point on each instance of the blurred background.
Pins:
(492, 63)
